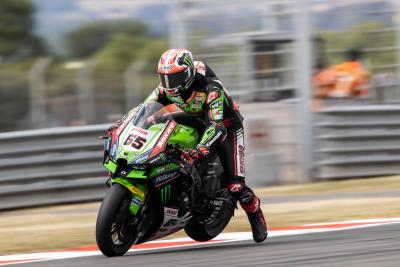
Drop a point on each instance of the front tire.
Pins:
(114, 234)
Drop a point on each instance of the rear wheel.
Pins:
(207, 231)
(115, 232)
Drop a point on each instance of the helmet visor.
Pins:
(174, 80)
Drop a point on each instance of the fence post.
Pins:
(86, 91)
(37, 90)
(177, 27)
(397, 25)
(303, 77)
(133, 86)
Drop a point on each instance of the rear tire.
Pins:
(114, 236)
(206, 232)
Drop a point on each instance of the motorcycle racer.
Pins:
(195, 89)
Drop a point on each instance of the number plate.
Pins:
(137, 138)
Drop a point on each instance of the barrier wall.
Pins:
(357, 141)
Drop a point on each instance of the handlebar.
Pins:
(175, 151)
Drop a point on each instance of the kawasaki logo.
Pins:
(209, 143)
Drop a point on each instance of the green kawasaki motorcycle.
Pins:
(153, 192)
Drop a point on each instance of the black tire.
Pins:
(113, 236)
(206, 232)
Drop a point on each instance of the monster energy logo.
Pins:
(187, 61)
(165, 193)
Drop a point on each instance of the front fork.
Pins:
(137, 190)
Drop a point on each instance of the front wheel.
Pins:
(114, 229)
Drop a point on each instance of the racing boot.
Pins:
(251, 205)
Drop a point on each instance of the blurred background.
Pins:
(82, 62)
(318, 81)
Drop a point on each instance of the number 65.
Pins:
(135, 141)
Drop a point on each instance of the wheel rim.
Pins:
(120, 230)
(114, 235)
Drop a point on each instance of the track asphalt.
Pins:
(369, 246)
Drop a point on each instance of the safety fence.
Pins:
(357, 141)
(51, 166)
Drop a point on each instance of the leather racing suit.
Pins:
(224, 131)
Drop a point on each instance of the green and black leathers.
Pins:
(206, 98)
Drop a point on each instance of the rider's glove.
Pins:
(192, 156)
(151, 120)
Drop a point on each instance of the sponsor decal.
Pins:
(125, 123)
(158, 158)
(167, 68)
(216, 104)
(239, 153)
(140, 131)
(212, 96)
(235, 187)
(201, 70)
(200, 67)
(113, 150)
(142, 158)
(137, 191)
(165, 178)
(164, 137)
(162, 141)
(171, 224)
(136, 201)
(177, 100)
(199, 96)
(171, 212)
(163, 169)
(136, 139)
(209, 143)
(241, 158)
(217, 115)
(165, 193)
(196, 106)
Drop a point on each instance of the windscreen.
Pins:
(151, 113)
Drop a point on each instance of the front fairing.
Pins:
(136, 153)
(136, 139)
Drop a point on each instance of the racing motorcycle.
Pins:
(153, 191)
